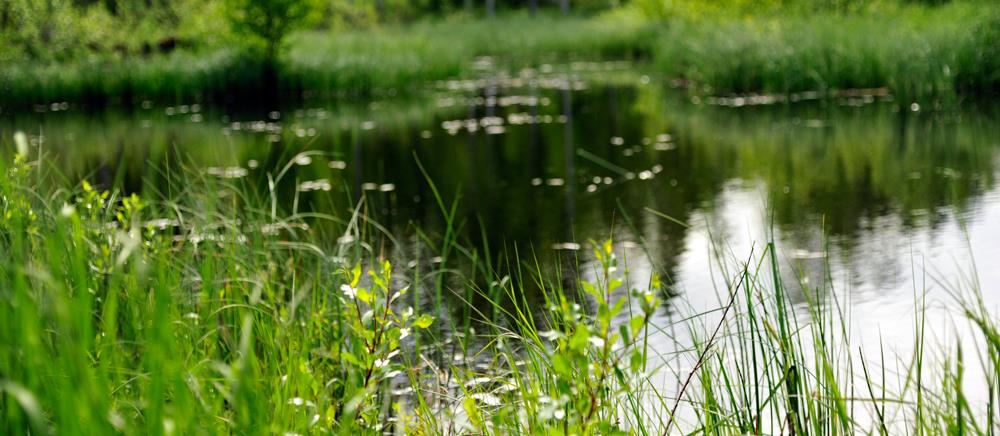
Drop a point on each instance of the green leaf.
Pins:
(350, 358)
(618, 307)
(604, 315)
(423, 321)
(636, 323)
(561, 366)
(364, 295)
(623, 330)
(579, 339)
(469, 404)
(356, 275)
(636, 361)
(592, 290)
(614, 284)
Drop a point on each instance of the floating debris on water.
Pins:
(337, 164)
(315, 185)
(303, 160)
(227, 172)
(346, 239)
(495, 130)
(799, 253)
(272, 229)
(486, 398)
(491, 121)
(571, 246)
(949, 173)
(519, 118)
(162, 223)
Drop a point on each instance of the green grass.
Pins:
(922, 53)
(915, 52)
(236, 316)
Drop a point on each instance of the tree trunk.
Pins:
(564, 6)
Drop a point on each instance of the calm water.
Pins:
(895, 198)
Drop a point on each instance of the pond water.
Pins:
(883, 199)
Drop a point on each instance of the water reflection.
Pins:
(541, 165)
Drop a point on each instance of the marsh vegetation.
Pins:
(452, 218)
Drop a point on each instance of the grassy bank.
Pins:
(925, 53)
(359, 63)
(209, 309)
(917, 53)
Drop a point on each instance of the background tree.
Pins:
(268, 22)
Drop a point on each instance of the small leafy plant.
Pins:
(376, 330)
(594, 367)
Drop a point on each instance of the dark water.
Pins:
(889, 196)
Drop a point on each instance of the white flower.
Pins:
(67, 210)
(349, 291)
(404, 332)
(21, 143)
(379, 363)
